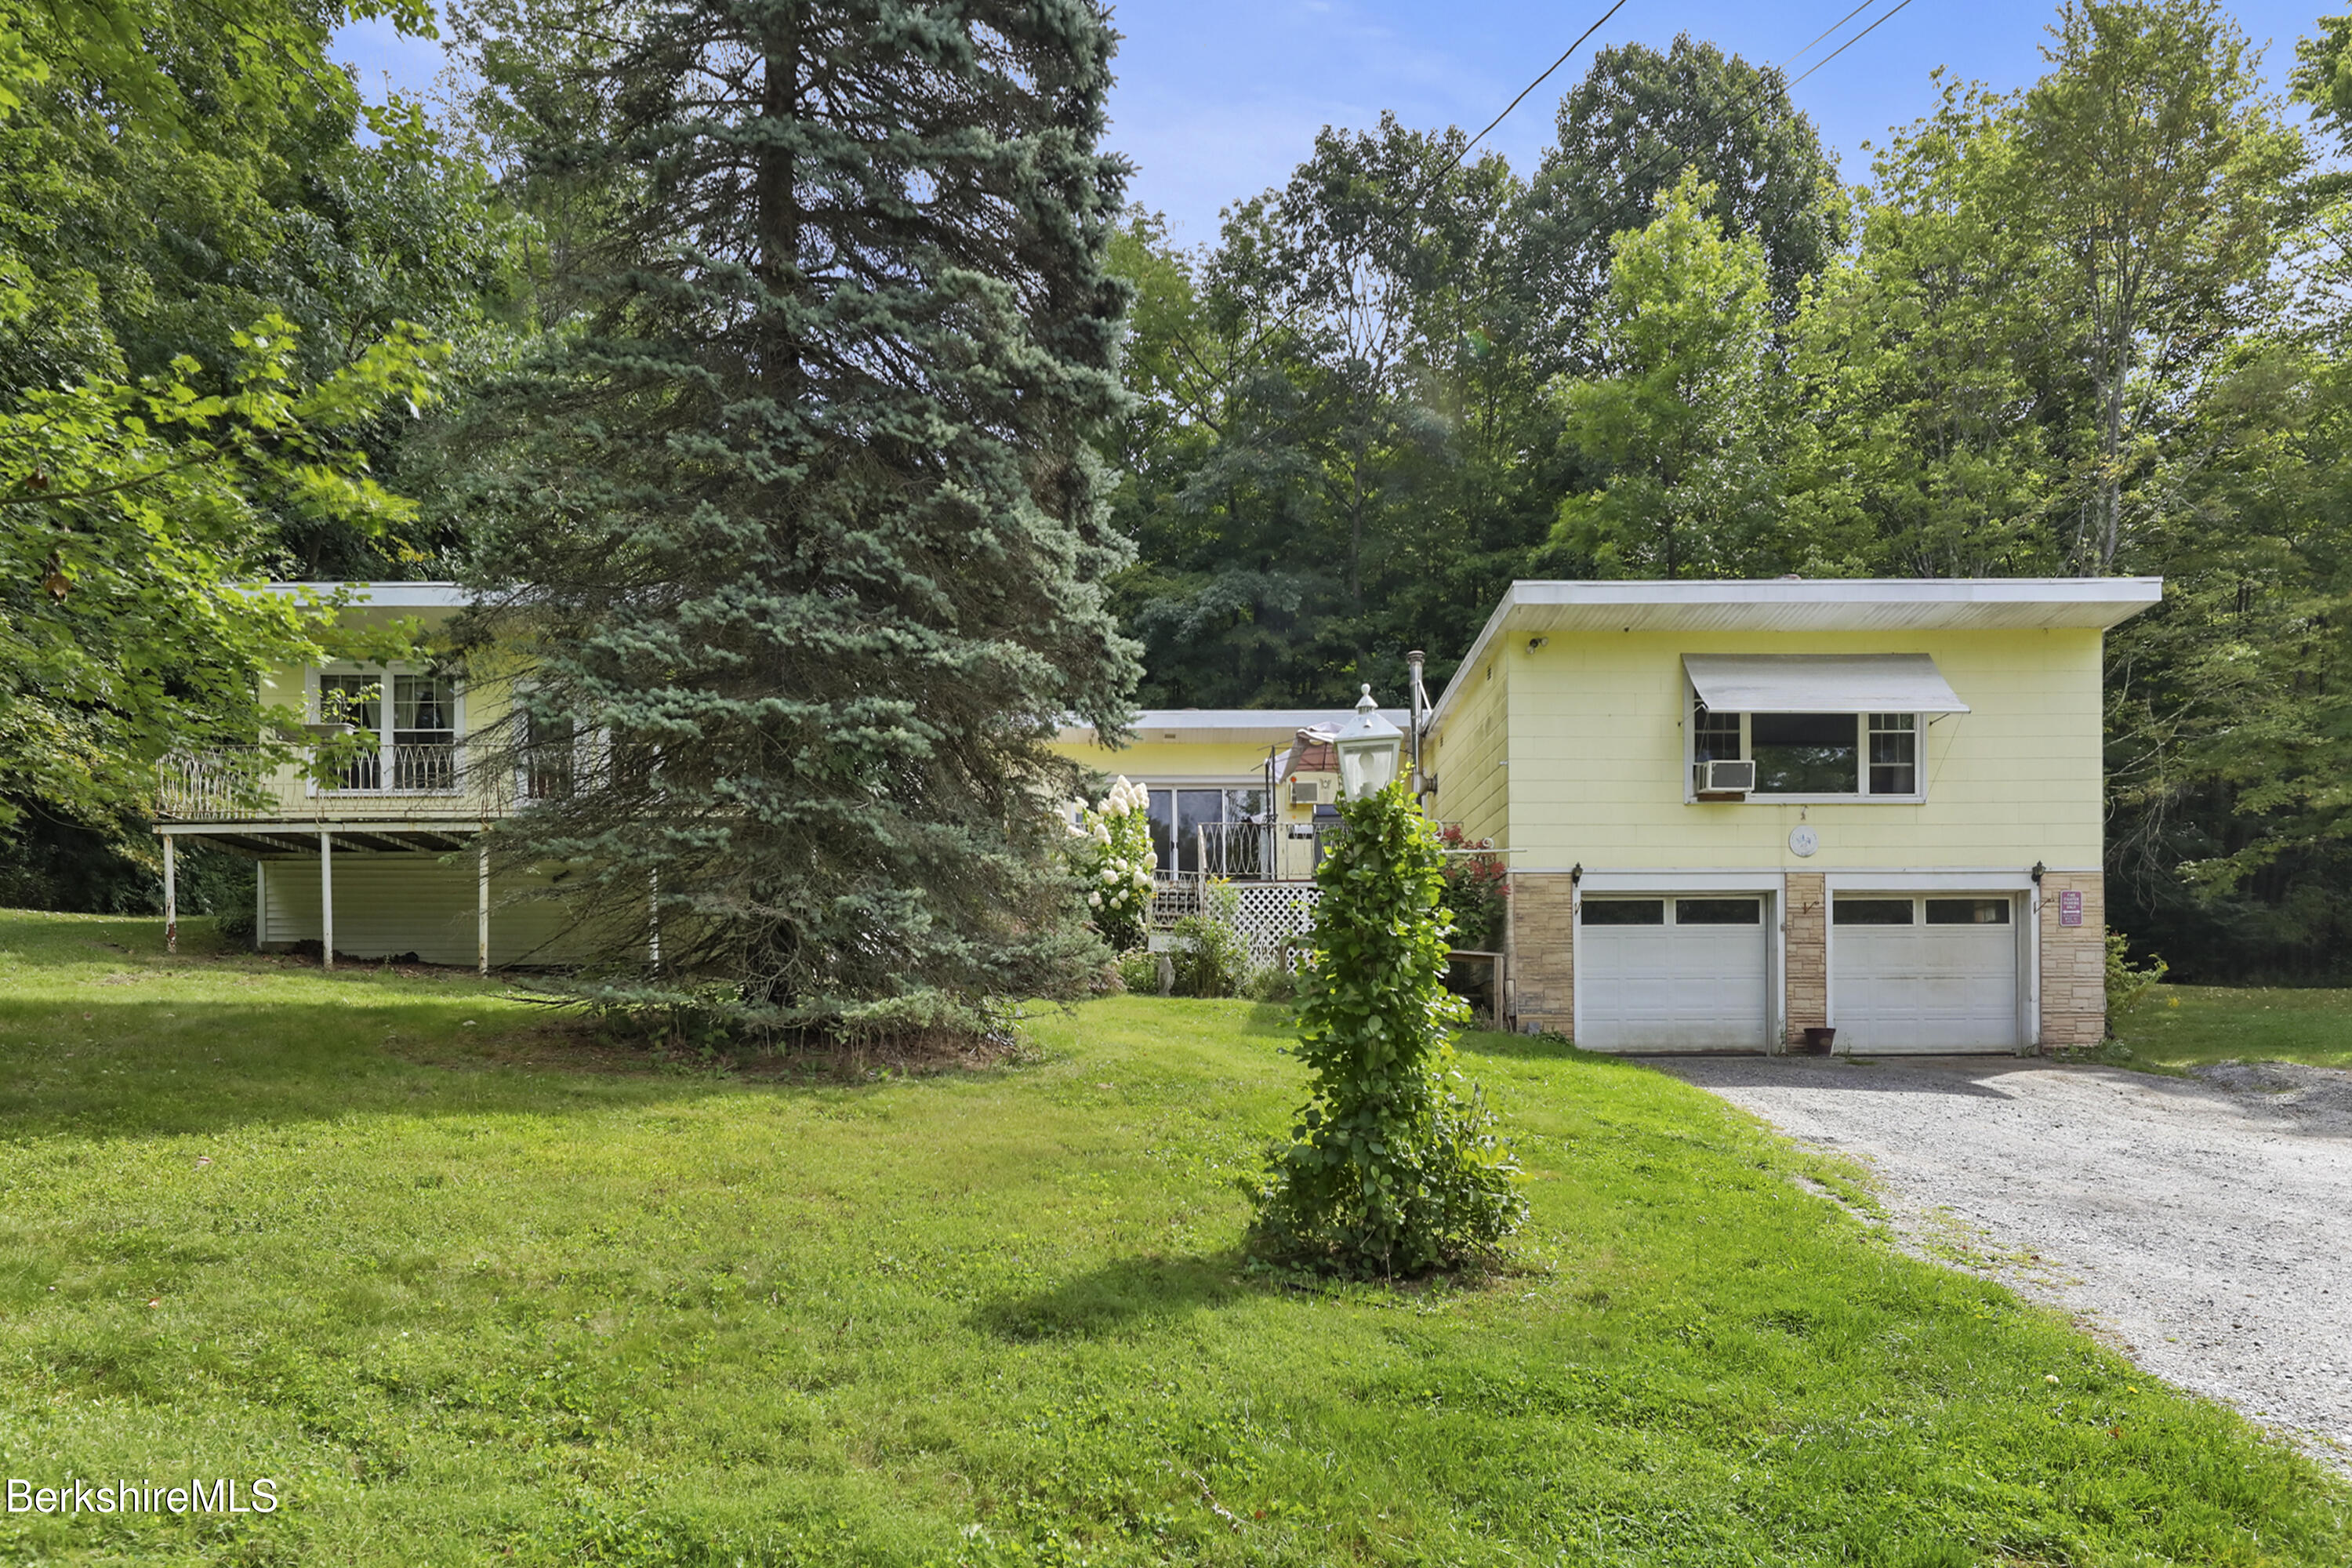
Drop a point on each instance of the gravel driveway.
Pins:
(2204, 1225)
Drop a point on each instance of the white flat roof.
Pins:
(1230, 726)
(385, 596)
(1808, 604)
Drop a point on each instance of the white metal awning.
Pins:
(1821, 683)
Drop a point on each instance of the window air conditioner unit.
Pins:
(1726, 778)
(1306, 792)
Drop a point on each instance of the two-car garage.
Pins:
(1935, 972)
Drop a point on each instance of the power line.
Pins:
(1536, 83)
(1824, 33)
(1849, 42)
(1430, 184)
(1648, 166)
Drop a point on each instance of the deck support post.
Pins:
(326, 900)
(260, 905)
(170, 896)
(482, 902)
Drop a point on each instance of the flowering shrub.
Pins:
(1110, 850)
(1475, 887)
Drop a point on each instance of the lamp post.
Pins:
(1370, 748)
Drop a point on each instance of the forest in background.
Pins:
(2095, 326)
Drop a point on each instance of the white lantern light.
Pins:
(1370, 748)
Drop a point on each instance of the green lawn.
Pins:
(2184, 1025)
(372, 1238)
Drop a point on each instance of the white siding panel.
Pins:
(1673, 988)
(1923, 988)
(387, 904)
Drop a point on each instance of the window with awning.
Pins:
(1816, 725)
(1821, 683)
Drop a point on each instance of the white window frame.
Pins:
(384, 673)
(1861, 795)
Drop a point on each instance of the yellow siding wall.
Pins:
(485, 696)
(1596, 753)
(1473, 784)
(1152, 761)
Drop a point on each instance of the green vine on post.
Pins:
(1390, 1171)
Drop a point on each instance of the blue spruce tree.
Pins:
(798, 514)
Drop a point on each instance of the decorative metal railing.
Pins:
(261, 783)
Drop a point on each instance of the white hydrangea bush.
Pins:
(1110, 850)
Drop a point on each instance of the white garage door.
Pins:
(1910, 973)
(1672, 975)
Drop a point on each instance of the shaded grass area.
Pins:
(464, 1305)
(2180, 1026)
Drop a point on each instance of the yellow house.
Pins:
(1736, 812)
(382, 855)
(1237, 793)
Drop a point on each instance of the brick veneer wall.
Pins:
(1543, 950)
(1807, 949)
(2073, 962)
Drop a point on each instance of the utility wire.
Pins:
(1555, 65)
(1849, 43)
(1824, 33)
(1648, 166)
(1431, 182)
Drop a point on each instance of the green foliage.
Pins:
(1390, 1172)
(2181, 1026)
(1112, 855)
(2127, 988)
(1477, 891)
(799, 507)
(1272, 983)
(1139, 974)
(407, 1245)
(133, 514)
(1211, 957)
(1679, 417)
(1638, 123)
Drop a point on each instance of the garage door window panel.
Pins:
(1967, 911)
(1718, 912)
(1870, 911)
(1624, 911)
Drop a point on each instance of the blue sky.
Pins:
(1220, 98)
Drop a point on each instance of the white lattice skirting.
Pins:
(1275, 912)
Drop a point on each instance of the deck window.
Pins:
(415, 733)
(1228, 825)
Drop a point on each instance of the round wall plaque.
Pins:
(1803, 841)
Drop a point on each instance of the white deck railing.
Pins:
(395, 784)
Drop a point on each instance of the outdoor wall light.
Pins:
(2039, 870)
(1370, 748)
